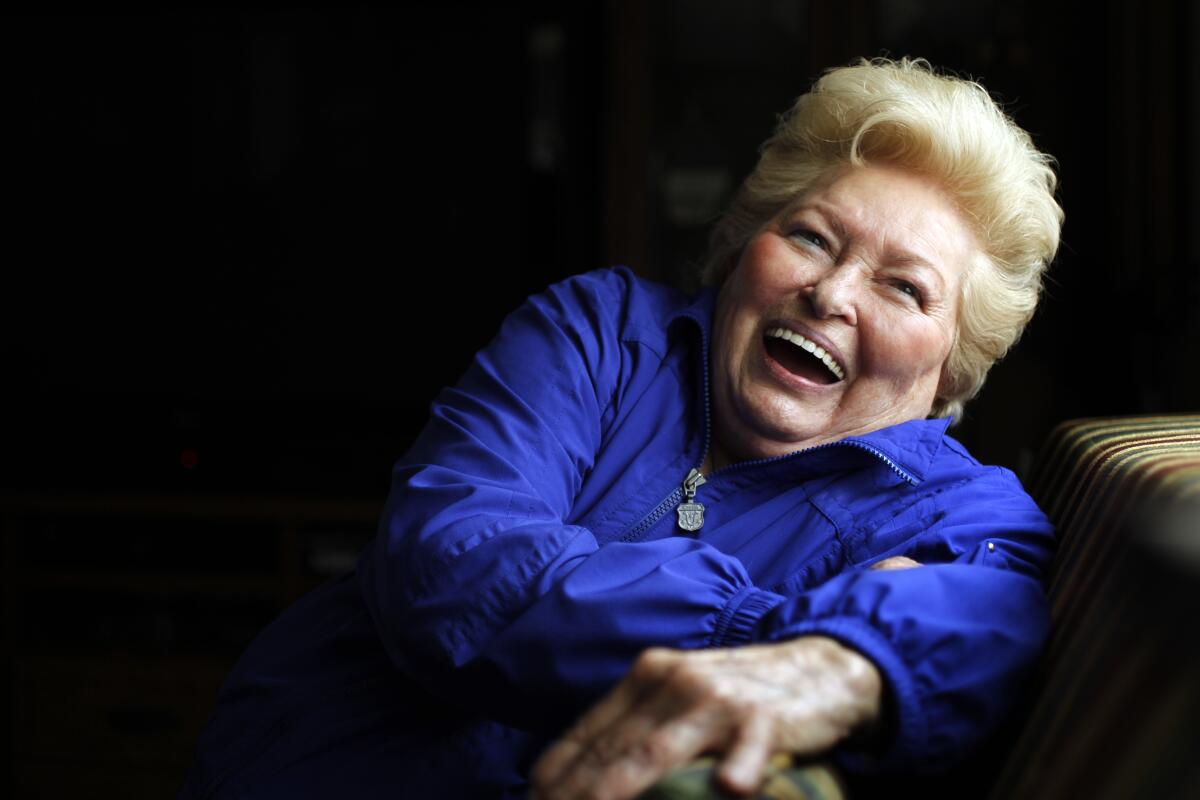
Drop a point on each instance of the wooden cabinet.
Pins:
(122, 616)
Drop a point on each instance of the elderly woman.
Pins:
(741, 509)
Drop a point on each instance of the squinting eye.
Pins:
(815, 239)
(904, 287)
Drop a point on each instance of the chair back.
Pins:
(1115, 706)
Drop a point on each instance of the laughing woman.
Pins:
(645, 526)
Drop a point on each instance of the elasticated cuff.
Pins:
(911, 729)
(741, 614)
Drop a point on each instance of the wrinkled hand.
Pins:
(746, 703)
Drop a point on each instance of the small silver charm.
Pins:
(691, 513)
(691, 516)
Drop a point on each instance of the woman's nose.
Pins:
(834, 293)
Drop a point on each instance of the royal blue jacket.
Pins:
(530, 550)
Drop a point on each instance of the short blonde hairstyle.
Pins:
(905, 114)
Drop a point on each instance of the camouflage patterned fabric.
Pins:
(785, 780)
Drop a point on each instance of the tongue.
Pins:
(798, 361)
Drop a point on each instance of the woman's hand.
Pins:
(746, 703)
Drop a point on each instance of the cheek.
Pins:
(753, 288)
(763, 268)
(913, 349)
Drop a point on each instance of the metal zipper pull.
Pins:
(691, 513)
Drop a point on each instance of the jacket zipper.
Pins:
(694, 477)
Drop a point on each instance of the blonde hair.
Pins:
(904, 114)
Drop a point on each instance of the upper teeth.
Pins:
(810, 346)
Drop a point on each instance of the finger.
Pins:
(579, 738)
(896, 562)
(742, 768)
(638, 751)
(617, 704)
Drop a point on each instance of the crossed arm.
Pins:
(745, 703)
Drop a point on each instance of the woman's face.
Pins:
(865, 269)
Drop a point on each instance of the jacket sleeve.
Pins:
(952, 639)
(480, 587)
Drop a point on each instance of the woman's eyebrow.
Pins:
(827, 214)
(905, 258)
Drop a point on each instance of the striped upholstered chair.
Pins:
(1115, 711)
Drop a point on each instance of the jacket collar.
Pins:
(908, 448)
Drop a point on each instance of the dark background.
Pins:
(243, 249)
(268, 237)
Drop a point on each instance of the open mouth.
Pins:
(802, 357)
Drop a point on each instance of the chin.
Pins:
(776, 426)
